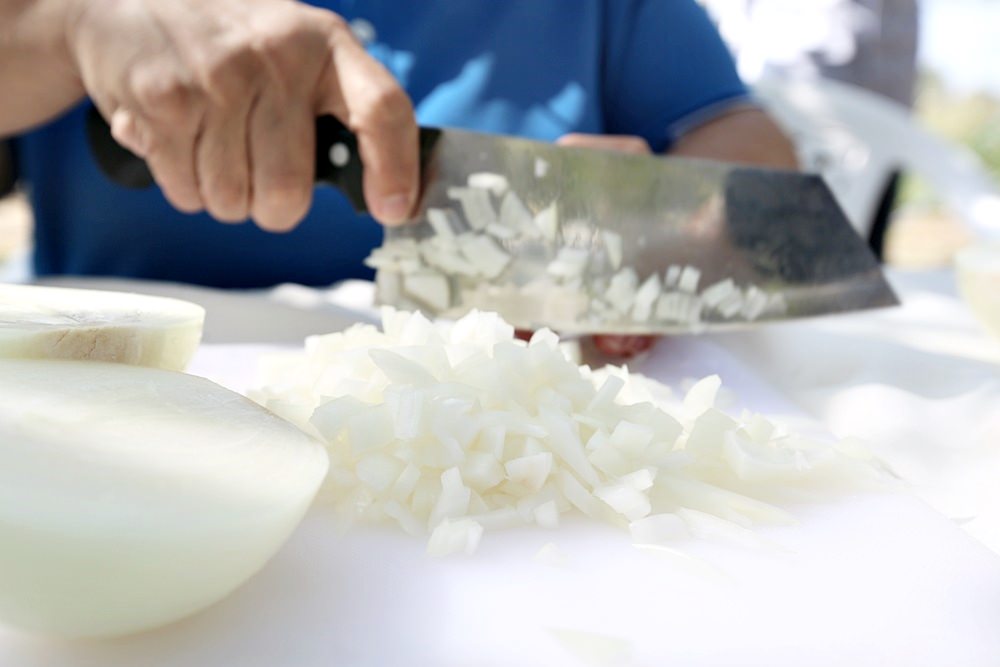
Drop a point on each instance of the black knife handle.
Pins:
(338, 162)
(117, 162)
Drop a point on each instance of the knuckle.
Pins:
(388, 105)
(284, 37)
(230, 74)
(166, 96)
(328, 24)
(289, 48)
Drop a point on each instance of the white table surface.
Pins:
(871, 579)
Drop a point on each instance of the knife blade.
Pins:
(591, 241)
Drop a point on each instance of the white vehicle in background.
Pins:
(839, 75)
(857, 139)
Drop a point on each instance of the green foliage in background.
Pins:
(970, 120)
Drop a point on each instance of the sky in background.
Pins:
(960, 39)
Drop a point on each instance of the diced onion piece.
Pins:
(476, 206)
(331, 418)
(701, 396)
(672, 276)
(405, 483)
(547, 221)
(452, 537)
(501, 232)
(731, 306)
(754, 303)
(131, 497)
(454, 499)
(444, 221)
(495, 183)
(370, 428)
(625, 499)
(428, 287)
(482, 471)
(645, 298)
(569, 263)
(541, 168)
(631, 439)
(707, 435)
(531, 472)
(717, 293)
(515, 215)
(484, 253)
(688, 280)
(62, 323)
(388, 286)
(621, 291)
(614, 246)
(640, 480)
(612, 462)
(551, 555)
(679, 307)
(578, 496)
(445, 258)
(379, 472)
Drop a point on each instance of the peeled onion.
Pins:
(62, 323)
(132, 497)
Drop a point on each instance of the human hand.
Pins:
(623, 347)
(220, 98)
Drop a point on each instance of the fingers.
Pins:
(624, 347)
(172, 165)
(130, 132)
(165, 130)
(366, 97)
(223, 165)
(282, 155)
(221, 101)
(610, 142)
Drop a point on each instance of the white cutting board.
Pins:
(867, 580)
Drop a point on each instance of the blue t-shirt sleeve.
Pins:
(665, 69)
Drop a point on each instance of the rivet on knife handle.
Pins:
(117, 162)
(339, 163)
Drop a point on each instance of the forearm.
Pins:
(747, 136)
(38, 78)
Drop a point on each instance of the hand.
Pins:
(220, 97)
(623, 347)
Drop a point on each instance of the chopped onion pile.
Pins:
(452, 429)
(473, 257)
(61, 323)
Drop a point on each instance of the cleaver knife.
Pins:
(591, 241)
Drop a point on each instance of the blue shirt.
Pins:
(536, 68)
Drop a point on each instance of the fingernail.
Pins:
(394, 208)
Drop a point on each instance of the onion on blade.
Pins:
(62, 323)
(132, 497)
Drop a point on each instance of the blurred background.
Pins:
(928, 110)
